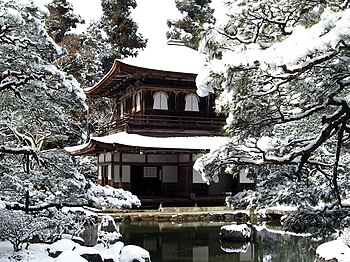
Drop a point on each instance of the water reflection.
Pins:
(199, 242)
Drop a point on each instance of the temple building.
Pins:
(159, 129)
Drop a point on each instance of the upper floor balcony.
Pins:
(165, 125)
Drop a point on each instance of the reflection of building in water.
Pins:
(185, 242)
(200, 254)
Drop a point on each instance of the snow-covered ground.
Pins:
(334, 250)
(72, 251)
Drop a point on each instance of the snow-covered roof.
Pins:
(174, 57)
(140, 141)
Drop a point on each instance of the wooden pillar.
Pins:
(190, 174)
(120, 169)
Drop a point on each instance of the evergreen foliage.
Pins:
(39, 110)
(191, 26)
(121, 30)
(281, 69)
(61, 20)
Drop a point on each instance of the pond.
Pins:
(199, 242)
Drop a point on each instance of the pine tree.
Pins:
(191, 26)
(39, 103)
(61, 20)
(282, 75)
(121, 30)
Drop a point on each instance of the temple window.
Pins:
(121, 110)
(138, 102)
(191, 103)
(160, 101)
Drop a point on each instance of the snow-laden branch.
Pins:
(18, 151)
(236, 154)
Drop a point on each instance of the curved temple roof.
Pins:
(172, 62)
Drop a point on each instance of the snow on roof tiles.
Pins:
(135, 140)
(170, 57)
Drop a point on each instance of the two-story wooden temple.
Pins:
(160, 127)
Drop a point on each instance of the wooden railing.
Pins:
(164, 121)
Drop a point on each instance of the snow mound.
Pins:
(69, 255)
(109, 197)
(240, 232)
(335, 249)
(63, 245)
(132, 253)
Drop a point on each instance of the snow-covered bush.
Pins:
(109, 197)
(19, 228)
(70, 221)
(57, 180)
(45, 226)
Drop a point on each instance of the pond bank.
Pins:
(183, 214)
(195, 214)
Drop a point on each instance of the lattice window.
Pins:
(150, 172)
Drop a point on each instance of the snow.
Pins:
(131, 253)
(62, 245)
(109, 197)
(265, 143)
(243, 228)
(35, 253)
(79, 209)
(2, 205)
(335, 249)
(71, 252)
(169, 57)
(322, 37)
(69, 255)
(123, 138)
(243, 249)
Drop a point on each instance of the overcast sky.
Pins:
(150, 15)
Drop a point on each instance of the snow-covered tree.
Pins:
(61, 19)
(281, 69)
(39, 103)
(18, 228)
(191, 26)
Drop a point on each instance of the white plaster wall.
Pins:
(197, 178)
(184, 158)
(200, 254)
(126, 174)
(99, 172)
(162, 159)
(116, 173)
(243, 179)
(134, 158)
(169, 174)
(109, 172)
(116, 156)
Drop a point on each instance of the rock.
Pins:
(131, 253)
(92, 257)
(235, 233)
(108, 232)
